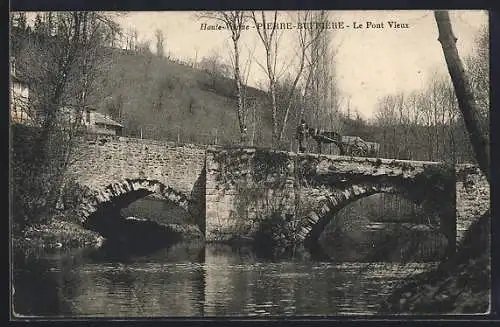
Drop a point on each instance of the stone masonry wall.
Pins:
(241, 189)
(473, 197)
(101, 162)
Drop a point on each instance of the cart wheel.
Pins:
(358, 151)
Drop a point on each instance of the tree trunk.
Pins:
(239, 90)
(465, 96)
(272, 95)
(290, 96)
(252, 142)
(274, 116)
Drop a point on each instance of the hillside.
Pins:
(169, 101)
(164, 99)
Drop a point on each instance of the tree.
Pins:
(310, 39)
(386, 116)
(234, 20)
(215, 68)
(160, 51)
(38, 25)
(463, 91)
(319, 90)
(21, 21)
(143, 47)
(477, 69)
(270, 40)
(64, 68)
(131, 39)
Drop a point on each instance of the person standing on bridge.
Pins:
(302, 132)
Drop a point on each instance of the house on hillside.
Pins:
(19, 95)
(98, 123)
(91, 121)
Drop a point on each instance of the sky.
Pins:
(369, 62)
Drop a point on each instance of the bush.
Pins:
(276, 235)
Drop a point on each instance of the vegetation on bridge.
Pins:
(438, 180)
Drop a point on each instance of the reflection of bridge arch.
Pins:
(123, 193)
(315, 221)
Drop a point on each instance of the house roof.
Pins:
(102, 119)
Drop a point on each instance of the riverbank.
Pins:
(460, 285)
(57, 233)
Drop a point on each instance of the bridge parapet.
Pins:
(98, 138)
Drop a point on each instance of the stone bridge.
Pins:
(229, 191)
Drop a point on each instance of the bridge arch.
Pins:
(120, 194)
(315, 221)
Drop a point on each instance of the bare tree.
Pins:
(143, 46)
(319, 91)
(270, 39)
(234, 21)
(478, 70)
(64, 67)
(215, 67)
(249, 103)
(131, 39)
(159, 43)
(195, 60)
(464, 92)
(306, 39)
(135, 39)
(387, 118)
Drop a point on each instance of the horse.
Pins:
(321, 136)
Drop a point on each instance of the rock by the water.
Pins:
(187, 232)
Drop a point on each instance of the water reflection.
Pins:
(193, 280)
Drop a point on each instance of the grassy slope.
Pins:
(165, 98)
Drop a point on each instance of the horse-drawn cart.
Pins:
(348, 145)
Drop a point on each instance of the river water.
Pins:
(197, 280)
(194, 279)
